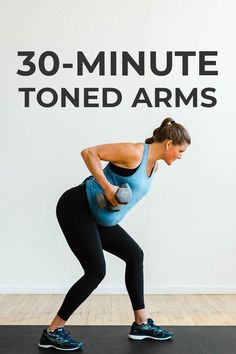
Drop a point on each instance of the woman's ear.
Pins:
(168, 144)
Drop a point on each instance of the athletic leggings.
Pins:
(87, 241)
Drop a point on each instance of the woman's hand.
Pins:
(109, 193)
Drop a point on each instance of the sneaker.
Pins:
(59, 339)
(149, 330)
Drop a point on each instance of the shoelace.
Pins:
(157, 329)
(63, 334)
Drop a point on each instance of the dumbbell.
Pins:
(122, 195)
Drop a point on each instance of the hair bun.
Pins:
(170, 130)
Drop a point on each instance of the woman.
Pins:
(90, 229)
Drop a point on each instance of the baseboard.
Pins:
(120, 290)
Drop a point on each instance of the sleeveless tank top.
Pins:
(139, 183)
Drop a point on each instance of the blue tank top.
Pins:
(139, 183)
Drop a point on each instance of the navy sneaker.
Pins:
(149, 330)
(59, 339)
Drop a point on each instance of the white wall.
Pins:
(186, 225)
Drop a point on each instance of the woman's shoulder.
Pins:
(133, 154)
(124, 154)
(131, 148)
(136, 150)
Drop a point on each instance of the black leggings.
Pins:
(87, 241)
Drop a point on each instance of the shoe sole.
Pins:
(131, 336)
(47, 346)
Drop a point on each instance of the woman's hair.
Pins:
(170, 130)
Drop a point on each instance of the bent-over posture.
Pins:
(89, 228)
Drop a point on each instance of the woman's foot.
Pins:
(149, 330)
(59, 339)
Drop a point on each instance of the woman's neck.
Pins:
(155, 152)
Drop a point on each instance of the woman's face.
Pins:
(174, 152)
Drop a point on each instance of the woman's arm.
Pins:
(122, 154)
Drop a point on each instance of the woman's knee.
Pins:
(136, 256)
(140, 255)
(97, 275)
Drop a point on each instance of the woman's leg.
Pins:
(117, 241)
(82, 235)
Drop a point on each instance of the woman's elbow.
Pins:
(87, 154)
(84, 152)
